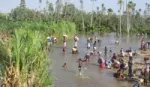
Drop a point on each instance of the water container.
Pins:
(102, 65)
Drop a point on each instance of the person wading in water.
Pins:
(142, 44)
(80, 63)
(65, 43)
(105, 51)
(130, 64)
(75, 40)
(95, 40)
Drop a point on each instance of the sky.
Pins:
(7, 5)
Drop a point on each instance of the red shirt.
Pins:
(142, 42)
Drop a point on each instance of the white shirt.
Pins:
(75, 44)
(94, 48)
(130, 54)
(65, 44)
(89, 44)
(117, 62)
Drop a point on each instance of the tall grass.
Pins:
(26, 61)
(49, 28)
(64, 28)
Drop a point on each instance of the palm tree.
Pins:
(103, 8)
(22, 4)
(66, 3)
(47, 11)
(148, 6)
(81, 2)
(92, 13)
(51, 11)
(120, 2)
(140, 10)
(98, 15)
(145, 12)
(147, 9)
(97, 8)
(40, 1)
(58, 8)
(110, 11)
(131, 5)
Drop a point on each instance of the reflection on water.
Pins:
(93, 76)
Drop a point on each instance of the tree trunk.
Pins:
(120, 21)
(128, 23)
(92, 15)
(83, 22)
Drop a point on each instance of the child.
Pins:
(65, 65)
(80, 63)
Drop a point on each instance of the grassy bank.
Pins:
(23, 52)
(24, 60)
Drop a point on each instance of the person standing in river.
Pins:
(80, 63)
(105, 51)
(75, 41)
(95, 40)
(65, 43)
(142, 44)
(88, 45)
(130, 64)
(145, 77)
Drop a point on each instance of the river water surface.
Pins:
(92, 75)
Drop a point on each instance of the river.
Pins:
(92, 74)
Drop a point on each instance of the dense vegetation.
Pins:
(24, 61)
(103, 19)
(23, 55)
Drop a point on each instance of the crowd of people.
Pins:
(117, 60)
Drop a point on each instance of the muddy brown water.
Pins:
(92, 75)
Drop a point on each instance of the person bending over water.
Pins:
(75, 50)
(114, 57)
(87, 57)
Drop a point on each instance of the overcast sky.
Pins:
(7, 5)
